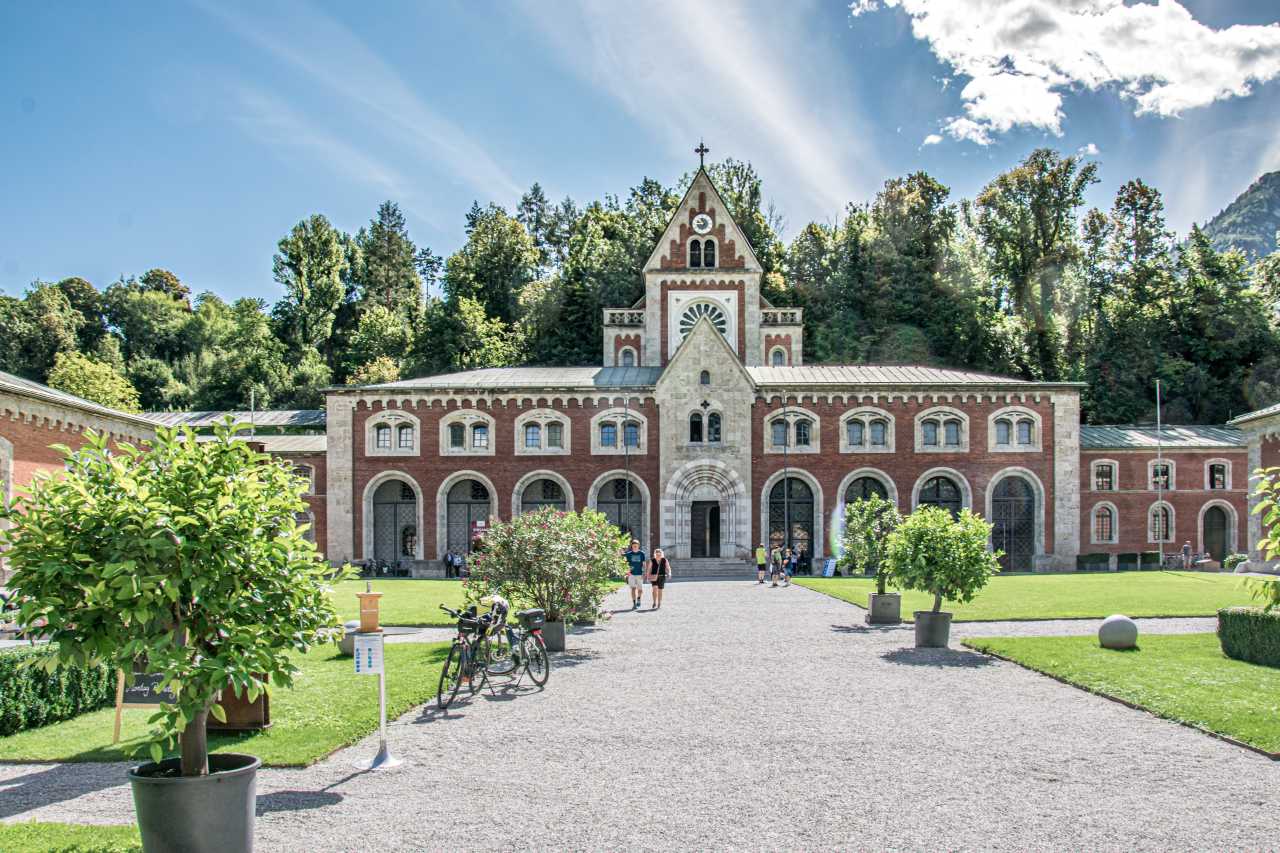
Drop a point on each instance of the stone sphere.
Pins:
(1118, 632)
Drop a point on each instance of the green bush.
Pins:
(1127, 562)
(946, 557)
(562, 562)
(1250, 634)
(1150, 560)
(1093, 562)
(1233, 560)
(867, 525)
(31, 696)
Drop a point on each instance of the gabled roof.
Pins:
(504, 378)
(36, 391)
(889, 375)
(312, 418)
(1168, 437)
(702, 182)
(1255, 415)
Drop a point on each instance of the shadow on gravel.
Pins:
(296, 801)
(949, 658)
(866, 629)
(578, 657)
(55, 784)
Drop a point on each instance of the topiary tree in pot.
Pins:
(867, 525)
(945, 557)
(562, 562)
(186, 555)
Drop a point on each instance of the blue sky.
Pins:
(192, 136)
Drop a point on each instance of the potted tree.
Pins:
(187, 556)
(945, 557)
(867, 525)
(562, 562)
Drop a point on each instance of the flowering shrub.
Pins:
(944, 556)
(562, 562)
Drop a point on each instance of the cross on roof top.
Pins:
(702, 151)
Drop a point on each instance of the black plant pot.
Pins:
(933, 630)
(196, 814)
(553, 636)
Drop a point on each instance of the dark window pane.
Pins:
(695, 253)
(713, 427)
(708, 254)
(695, 427)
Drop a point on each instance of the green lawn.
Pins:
(403, 602)
(329, 707)
(38, 837)
(1068, 596)
(1183, 677)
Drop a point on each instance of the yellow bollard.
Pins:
(369, 610)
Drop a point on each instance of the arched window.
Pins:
(466, 503)
(695, 253)
(404, 437)
(1104, 525)
(879, 433)
(631, 434)
(542, 493)
(951, 429)
(941, 492)
(608, 434)
(628, 358)
(1160, 523)
(1217, 475)
(382, 437)
(709, 254)
(623, 504)
(779, 357)
(555, 435)
(1004, 430)
(864, 487)
(778, 431)
(856, 432)
(479, 436)
(1026, 430)
(695, 428)
(929, 429)
(704, 378)
(713, 427)
(532, 435)
(803, 428)
(457, 436)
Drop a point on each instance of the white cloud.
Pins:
(1021, 56)
(932, 139)
(335, 58)
(1090, 150)
(747, 79)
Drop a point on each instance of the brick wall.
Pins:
(1133, 497)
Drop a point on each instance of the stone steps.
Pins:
(699, 569)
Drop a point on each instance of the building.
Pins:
(702, 431)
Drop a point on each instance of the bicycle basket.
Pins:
(472, 626)
(530, 619)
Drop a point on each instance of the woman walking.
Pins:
(659, 572)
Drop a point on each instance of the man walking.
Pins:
(635, 572)
(762, 557)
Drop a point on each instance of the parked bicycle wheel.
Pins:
(476, 668)
(450, 678)
(535, 659)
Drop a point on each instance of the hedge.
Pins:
(1250, 634)
(1150, 560)
(1127, 562)
(30, 697)
(1093, 562)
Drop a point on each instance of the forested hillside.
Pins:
(1021, 280)
(1251, 221)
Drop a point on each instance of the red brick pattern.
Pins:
(622, 341)
(771, 341)
(727, 257)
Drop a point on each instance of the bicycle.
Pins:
(486, 645)
(462, 664)
(524, 646)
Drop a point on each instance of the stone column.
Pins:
(1255, 439)
(1066, 479)
(340, 494)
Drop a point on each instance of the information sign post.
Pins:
(369, 661)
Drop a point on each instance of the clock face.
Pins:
(702, 223)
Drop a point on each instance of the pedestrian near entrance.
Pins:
(791, 560)
(776, 567)
(635, 572)
(762, 557)
(659, 574)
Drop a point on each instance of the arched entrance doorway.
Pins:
(466, 504)
(791, 515)
(1215, 532)
(864, 487)
(941, 492)
(622, 503)
(1013, 524)
(543, 493)
(395, 522)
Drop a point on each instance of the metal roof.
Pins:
(885, 374)
(493, 378)
(27, 388)
(280, 443)
(1170, 437)
(1256, 415)
(313, 418)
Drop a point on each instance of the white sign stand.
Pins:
(369, 661)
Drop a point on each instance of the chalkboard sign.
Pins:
(145, 690)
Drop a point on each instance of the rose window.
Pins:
(697, 311)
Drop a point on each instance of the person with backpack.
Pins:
(635, 572)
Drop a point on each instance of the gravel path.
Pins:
(746, 716)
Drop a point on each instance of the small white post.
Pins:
(384, 758)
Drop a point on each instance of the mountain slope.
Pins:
(1250, 222)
